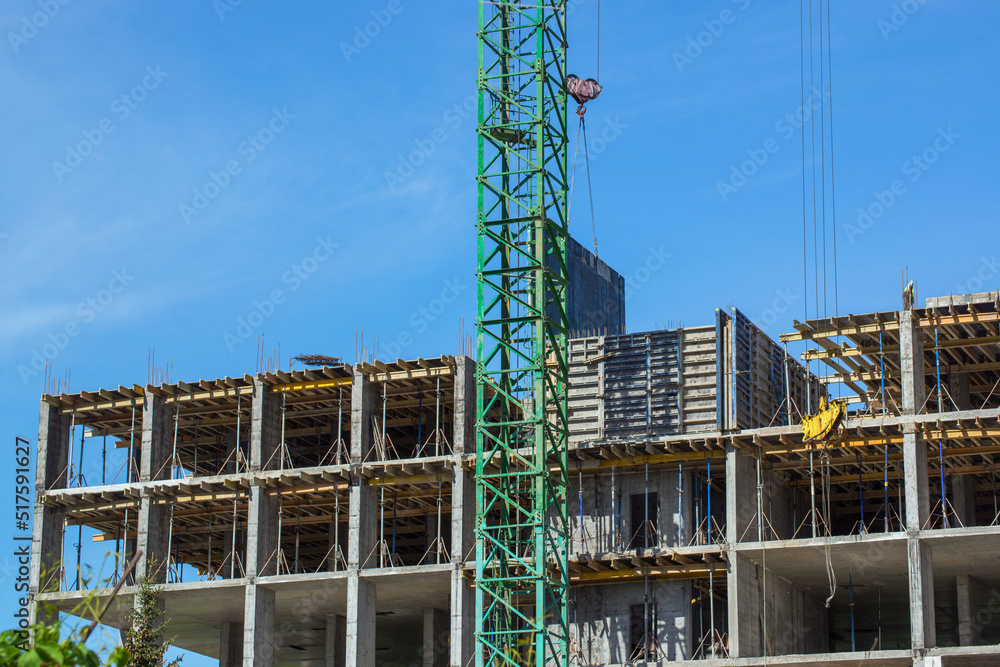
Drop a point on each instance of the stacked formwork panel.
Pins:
(730, 376)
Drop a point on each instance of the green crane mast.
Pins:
(522, 577)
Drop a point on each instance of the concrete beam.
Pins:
(265, 428)
(435, 650)
(258, 627)
(921, 589)
(970, 631)
(231, 644)
(911, 359)
(465, 406)
(361, 605)
(365, 398)
(336, 641)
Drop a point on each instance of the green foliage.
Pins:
(44, 648)
(144, 639)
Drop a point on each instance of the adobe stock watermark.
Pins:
(249, 149)
(424, 148)
(86, 312)
(785, 126)
(703, 40)
(363, 35)
(263, 309)
(784, 299)
(988, 270)
(635, 280)
(606, 134)
(122, 107)
(223, 7)
(421, 318)
(914, 168)
(30, 25)
(900, 16)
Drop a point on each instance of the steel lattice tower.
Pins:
(522, 574)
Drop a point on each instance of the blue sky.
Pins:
(169, 168)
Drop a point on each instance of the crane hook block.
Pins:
(824, 422)
(582, 91)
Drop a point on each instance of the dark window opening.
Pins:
(641, 632)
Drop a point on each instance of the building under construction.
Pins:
(577, 494)
(326, 516)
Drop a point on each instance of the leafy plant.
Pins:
(46, 649)
(144, 638)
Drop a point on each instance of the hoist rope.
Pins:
(582, 130)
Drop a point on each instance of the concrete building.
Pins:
(325, 516)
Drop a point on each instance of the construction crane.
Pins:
(522, 575)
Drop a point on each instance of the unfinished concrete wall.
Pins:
(601, 620)
(608, 521)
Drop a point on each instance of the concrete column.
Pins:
(365, 397)
(338, 533)
(258, 627)
(361, 605)
(262, 534)
(911, 359)
(465, 406)
(336, 641)
(963, 500)
(265, 428)
(157, 437)
(362, 524)
(47, 536)
(744, 596)
(153, 522)
(227, 567)
(230, 455)
(921, 586)
(435, 650)
(231, 644)
(53, 448)
(915, 484)
(970, 632)
(958, 391)
(741, 497)
(153, 537)
(463, 514)
(463, 620)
